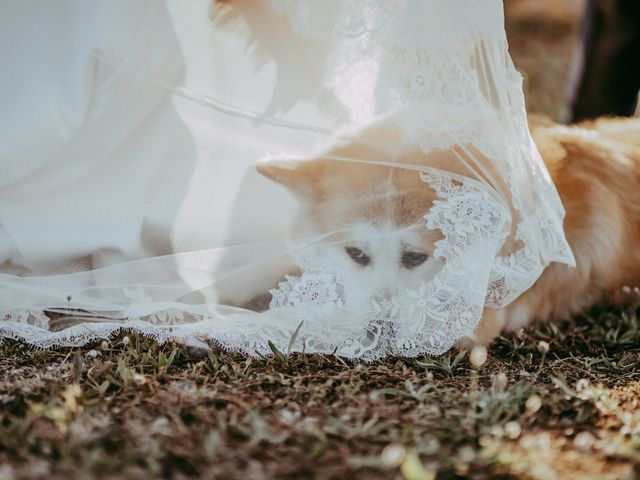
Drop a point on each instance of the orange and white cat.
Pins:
(374, 213)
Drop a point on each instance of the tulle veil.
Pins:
(349, 177)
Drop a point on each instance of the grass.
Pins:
(555, 401)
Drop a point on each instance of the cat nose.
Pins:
(384, 294)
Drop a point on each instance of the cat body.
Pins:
(596, 168)
(373, 212)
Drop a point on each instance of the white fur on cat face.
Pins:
(383, 260)
(371, 207)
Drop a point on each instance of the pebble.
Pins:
(543, 347)
(478, 356)
(512, 430)
(393, 455)
(584, 440)
(533, 404)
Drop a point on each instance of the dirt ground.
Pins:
(551, 402)
(554, 402)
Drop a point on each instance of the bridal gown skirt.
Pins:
(129, 195)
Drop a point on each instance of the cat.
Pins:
(374, 212)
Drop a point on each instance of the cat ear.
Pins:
(300, 176)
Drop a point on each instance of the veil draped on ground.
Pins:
(345, 177)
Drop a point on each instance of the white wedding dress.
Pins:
(129, 197)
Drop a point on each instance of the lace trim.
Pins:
(328, 309)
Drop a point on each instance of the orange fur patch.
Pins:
(596, 169)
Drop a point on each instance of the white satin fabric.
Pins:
(99, 163)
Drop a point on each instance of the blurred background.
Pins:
(544, 41)
(546, 44)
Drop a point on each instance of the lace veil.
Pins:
(351, 177)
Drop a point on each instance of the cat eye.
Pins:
(413, 259)
(358, 256)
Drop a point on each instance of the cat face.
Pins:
(384, 260)
(369, 210)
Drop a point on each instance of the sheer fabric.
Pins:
(349, 177)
